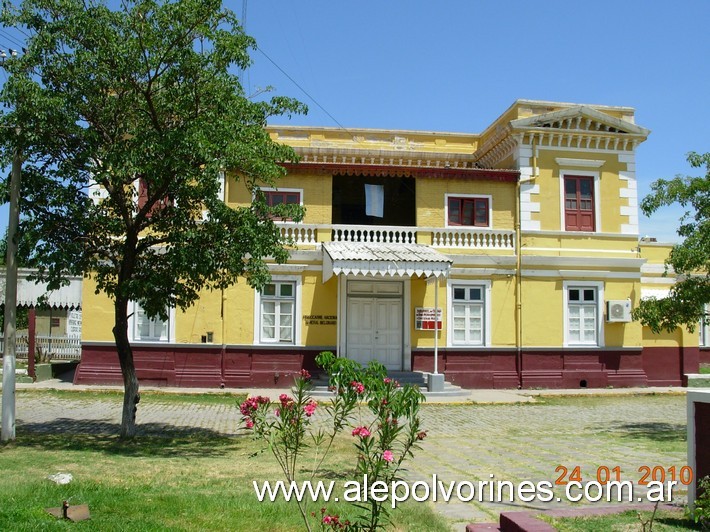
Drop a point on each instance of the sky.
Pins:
(456, 65)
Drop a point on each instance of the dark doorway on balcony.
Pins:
(399, 200)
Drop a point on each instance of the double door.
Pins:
(374, 329)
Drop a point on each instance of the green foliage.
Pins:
(690, 259)
(701, 514)
(108, 95)
(384, 437)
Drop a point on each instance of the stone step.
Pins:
(416, 378)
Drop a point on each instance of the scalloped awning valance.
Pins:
(383, 259)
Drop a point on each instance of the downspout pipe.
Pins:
(518, 289)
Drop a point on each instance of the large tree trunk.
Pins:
(131, 394)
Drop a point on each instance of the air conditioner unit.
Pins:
(618, 311)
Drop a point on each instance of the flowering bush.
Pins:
(387, 432)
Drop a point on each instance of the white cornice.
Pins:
(594, 262)
(584, 163)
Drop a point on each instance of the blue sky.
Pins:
(455, 65)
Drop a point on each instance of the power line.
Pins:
(8, 36)
(302, 90)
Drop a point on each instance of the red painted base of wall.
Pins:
(196, 366)
(562, 368)
(241, 367)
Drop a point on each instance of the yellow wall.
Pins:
(431, 200)
(316, 198)
(502, 309)
(543, 313)
(204, 316)
(97, 314)
(319, 300)
(608, 202)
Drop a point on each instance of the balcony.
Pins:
(458, 238)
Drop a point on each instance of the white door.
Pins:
(374, 330)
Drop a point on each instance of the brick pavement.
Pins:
(513, 442)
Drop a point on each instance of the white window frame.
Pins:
(599, 287)
(597, 198)
(297, 314)
(468, 283)
(469, 196)
(133, 308)
(704, 333)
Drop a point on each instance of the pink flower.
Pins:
(387, 456)
(387, 380)
(249, 423)
(357, 386)
(305, 374)
(363, 432)
(310, 408)
(277, 412)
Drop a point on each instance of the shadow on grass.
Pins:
(153, 439)
(678, 523)
(657, 432)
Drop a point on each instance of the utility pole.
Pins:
(9, 335)
(8, 366)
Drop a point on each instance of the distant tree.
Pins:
(24, 251)
(690, 259)
(140, 99)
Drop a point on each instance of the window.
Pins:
(583, 315)
(144, 191)
(468, 311)
(468, 211)
(579, 203)
(278, 313)
(704, 340)
(144, 329)
(282, 197)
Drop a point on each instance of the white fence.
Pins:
(441, 237)
(55, 347)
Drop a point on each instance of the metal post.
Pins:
(31, 341)
(436, 325)
(8, 366)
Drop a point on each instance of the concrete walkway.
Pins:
(473, 396)
(502, 435)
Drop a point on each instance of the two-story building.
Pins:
(512, 254)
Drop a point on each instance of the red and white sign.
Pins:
(426, 317)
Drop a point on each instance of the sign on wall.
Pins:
(426, 317)
(74, 324)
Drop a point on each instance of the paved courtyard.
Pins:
(512, 442)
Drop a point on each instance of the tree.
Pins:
(690, 259)
(140, 99)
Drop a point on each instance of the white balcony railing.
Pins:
(441, 237)
(467, 238)
(389, 234)
(299, 233)
(55, 347)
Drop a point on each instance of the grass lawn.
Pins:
(148, 395)
(705, 369)
(625, 521)
(165, 483)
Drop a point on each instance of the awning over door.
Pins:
(379, 259)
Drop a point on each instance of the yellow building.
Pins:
(524, 237)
